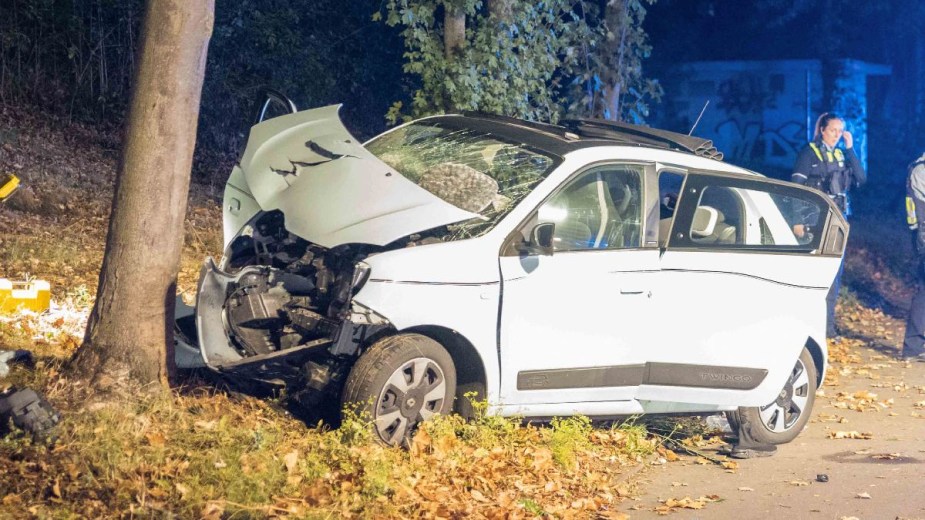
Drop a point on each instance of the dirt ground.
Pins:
(824, 473)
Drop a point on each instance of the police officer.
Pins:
(914, 341)
(824, 166)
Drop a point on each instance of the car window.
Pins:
(669, 187)
(751, 214)
(719, 217)
(470, 169)
(601, 209)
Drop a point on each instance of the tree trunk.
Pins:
(129, 336)
(454, 31)
(501, 10)
(614, 91)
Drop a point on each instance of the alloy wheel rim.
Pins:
(781, 414)
(413, 393)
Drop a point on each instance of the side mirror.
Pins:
(540, 240)
(8, 185)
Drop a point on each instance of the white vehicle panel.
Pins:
(469, 310)
(331, 189)
(737, 310)
(238, 206)
(572, 318)
(472, 261)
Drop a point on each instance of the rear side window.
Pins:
(735, 213)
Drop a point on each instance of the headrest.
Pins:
(705, 219)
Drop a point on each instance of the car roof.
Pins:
(576, 134)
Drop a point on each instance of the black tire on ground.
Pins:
(780, 421)
(399, 382)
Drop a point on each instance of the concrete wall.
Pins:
(760, 111)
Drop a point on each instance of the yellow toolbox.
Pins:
(34, 296)
(8, 185)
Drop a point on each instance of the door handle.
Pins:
(631, 291)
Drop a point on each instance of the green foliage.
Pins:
(530, 63)
(609, 82)
(569, 437)
(75, 58)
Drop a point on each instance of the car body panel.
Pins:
(709, 318)
(238, 206)
(331, 189)
(563, 334)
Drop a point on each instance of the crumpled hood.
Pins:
(330, 189)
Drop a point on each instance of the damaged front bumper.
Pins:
(204, 336)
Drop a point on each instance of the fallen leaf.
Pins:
(156, 439)
(886, 456)
(863, 495)
(745, 489)
(851, 435)
(799, 483)
(291, 460)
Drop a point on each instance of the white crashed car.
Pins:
(590, 268)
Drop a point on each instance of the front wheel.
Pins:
(781, 420)
(400, 382)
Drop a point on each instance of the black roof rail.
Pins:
(548, 128)
(642, 135)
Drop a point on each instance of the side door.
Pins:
(744, 275)
(570, 320)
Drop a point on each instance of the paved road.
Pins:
(889, 468)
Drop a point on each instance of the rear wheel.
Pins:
(781, 420)
(400, 382)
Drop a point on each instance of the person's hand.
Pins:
(799, 230)
(849, 141)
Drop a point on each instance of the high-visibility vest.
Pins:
(911, 220)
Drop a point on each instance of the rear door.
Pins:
(744, 275)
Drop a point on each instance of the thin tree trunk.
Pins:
(130, 333)
(615, 91)
(454, 31)
(501, 10)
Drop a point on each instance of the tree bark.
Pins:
(501, 10)
(454, 31)
(614, 91)
(129, 336)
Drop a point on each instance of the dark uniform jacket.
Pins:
(833, 172)
(915, 205)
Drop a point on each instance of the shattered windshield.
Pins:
(470, 169)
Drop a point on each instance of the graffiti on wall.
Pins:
(747, 142)
(745, 93)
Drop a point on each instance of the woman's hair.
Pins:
(823, 122)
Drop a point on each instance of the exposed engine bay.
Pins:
(298, 292)
(280, 309)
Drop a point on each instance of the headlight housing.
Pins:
(360, 276)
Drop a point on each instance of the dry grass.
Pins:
(202, 453)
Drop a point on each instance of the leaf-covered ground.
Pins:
(206, 452)
(203, 451)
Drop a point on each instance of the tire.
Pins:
(780, 421)
(399, 382)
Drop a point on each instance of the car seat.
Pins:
(709, 227)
